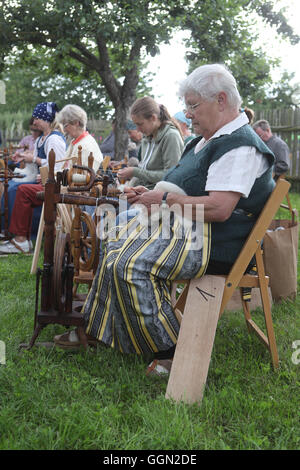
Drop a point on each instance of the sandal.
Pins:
(159, 367)
(70, 340)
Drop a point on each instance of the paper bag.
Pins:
(280, 251)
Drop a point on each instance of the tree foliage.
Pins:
(224, 34)
(97, 48)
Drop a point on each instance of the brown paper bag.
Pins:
(280, 251)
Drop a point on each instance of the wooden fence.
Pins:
(12, 134)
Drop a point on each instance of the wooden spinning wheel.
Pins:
(84, 241)
(61, 269)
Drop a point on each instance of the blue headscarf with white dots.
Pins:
(45, 111)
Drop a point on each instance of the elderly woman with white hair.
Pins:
(226, 173)
(74, 121)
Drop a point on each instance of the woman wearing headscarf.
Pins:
(25, 200)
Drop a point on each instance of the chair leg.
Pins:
(179, 304)
(269, 339)
(246, 310)
(267, 310)
(195, 341)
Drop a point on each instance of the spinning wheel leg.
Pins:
(82, 336)
(36, 332)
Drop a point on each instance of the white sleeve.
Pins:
(90, 145)
(236, 170)
(56, 143)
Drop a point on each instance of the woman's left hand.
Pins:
(125, 173)
(150, 198)
(27, 156)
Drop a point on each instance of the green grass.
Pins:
(52, 399)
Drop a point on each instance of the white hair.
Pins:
(72, 113)
(209, 80)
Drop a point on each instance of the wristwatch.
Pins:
(164, 200)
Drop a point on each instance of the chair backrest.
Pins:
(254, 239)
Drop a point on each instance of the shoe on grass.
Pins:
(70, 340)
(159, 368)
(13, 247)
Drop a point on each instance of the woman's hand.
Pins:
(27, 157)
(133, 194)
(125, 173)
(17, 157)
(150, 198)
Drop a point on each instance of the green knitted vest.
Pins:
(191, 173)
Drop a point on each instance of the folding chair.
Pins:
(203, 301)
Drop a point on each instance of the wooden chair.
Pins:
(203, 301)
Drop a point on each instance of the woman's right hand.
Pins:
(133, 194)
(16, 157)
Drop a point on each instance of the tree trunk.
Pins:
(121, 134)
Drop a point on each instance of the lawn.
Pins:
(100, 400)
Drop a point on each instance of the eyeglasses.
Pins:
(190, 108)
(66, 125)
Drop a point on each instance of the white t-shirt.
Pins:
(88, 145)
(237, 169)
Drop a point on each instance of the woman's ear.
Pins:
(222, 100)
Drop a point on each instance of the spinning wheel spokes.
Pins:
(84, 242)
(62, 265)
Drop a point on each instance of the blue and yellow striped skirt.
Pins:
(129, 304)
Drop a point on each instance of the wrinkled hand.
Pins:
(149, 198)
(133, 194)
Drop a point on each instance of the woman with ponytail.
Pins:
(161, 146)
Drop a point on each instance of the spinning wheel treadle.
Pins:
(88, 243)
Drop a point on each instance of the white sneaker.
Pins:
(4, 242)
(14, 247)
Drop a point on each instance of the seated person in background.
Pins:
(161, 145)
(227, 172)
(26, 147)
(135, 139)
(20, 225)
(74, 121)
(277, 145)
(108, 145)
(134, 144)
(24, 154)
(185, 125)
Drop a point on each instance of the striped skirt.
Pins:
(129, 304)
